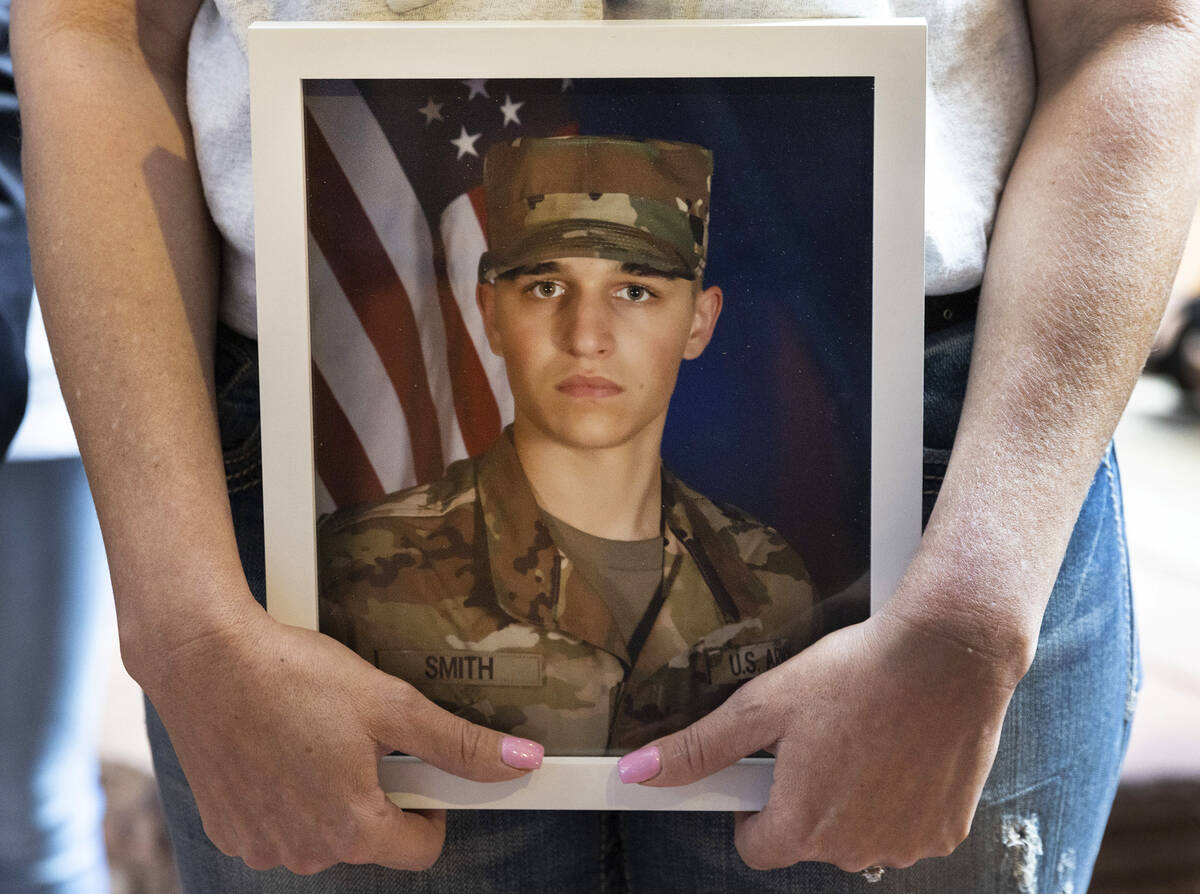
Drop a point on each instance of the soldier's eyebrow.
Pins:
(634, 269)
(532, 270)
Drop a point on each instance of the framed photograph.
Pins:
(591, 366)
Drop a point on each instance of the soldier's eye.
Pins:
(635, 293)
(546, 289)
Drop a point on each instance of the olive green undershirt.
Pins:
(626, 573)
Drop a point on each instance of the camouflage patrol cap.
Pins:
(638, 201)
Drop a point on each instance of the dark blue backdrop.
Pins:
(775, 416)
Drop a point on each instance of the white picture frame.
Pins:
(284, 55)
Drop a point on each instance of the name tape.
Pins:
(474, 668)
(733, 664)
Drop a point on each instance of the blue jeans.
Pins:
(1038, 826)
(55, 624)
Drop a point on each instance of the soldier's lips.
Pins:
(589, 386)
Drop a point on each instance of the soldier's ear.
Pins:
(705, 310)
(485, 297)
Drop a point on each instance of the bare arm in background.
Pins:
(278, 730)
(885, 731)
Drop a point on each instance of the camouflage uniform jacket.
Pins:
(457, 587)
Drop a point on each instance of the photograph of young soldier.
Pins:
(564, 586)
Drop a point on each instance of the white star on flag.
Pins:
(432, 111)
(465, 143)
(510, 111)
(567, 84)
(477, 88)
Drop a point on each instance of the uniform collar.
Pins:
(733, 586)
(533, 582)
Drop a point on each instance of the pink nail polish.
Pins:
(640, 765)
(521, 753)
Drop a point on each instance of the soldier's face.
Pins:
(593, 346)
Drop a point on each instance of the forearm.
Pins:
(1086, 240)
(125, 261)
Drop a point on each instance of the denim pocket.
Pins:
(235, 369)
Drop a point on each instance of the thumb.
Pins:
(403, 839)
(409, 722)
(737, 728)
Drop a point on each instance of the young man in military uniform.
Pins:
(564, 586)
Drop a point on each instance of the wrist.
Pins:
(981, 608)
(174, 619)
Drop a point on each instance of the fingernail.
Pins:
(521, 754)
(640, 765)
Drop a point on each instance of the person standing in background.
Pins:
(54, 614)
(16, 277)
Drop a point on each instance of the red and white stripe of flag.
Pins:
(403, 380)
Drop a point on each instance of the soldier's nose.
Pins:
(587, 330)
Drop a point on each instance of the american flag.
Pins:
(403, 380)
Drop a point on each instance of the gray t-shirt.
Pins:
(980, 97)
